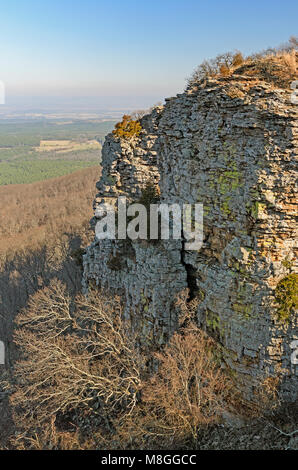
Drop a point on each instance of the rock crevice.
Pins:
(231, 145)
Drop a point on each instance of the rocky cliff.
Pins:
(230, 144)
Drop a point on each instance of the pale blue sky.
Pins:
(128, 48)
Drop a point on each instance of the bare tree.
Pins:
(74, 355)
(188, 391)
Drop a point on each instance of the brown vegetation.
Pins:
(75, 356)
(276, 66)
(188, 392)
(32, 214)
(82, 379)
(43, 228)
(82, 382)
(43, 231)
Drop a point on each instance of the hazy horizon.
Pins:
(99, 105)
(124, 55)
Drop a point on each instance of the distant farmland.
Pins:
(30, 171)
(34, 150)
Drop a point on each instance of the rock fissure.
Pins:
(231, 146)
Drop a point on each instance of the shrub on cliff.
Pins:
(82, 382)
(238, 59)
(76, 356)
(127, 128)
(277, 66)
(188, 392)
(222, 65)
(150, 195)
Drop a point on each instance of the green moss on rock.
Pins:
(286, 296)
(257, 210)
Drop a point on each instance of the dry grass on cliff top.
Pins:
(275, 66)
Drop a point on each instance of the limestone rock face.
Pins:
(230, 144)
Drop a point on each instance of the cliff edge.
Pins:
(230, 144)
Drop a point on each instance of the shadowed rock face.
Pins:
(231, 145)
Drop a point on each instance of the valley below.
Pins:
(37, 148)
